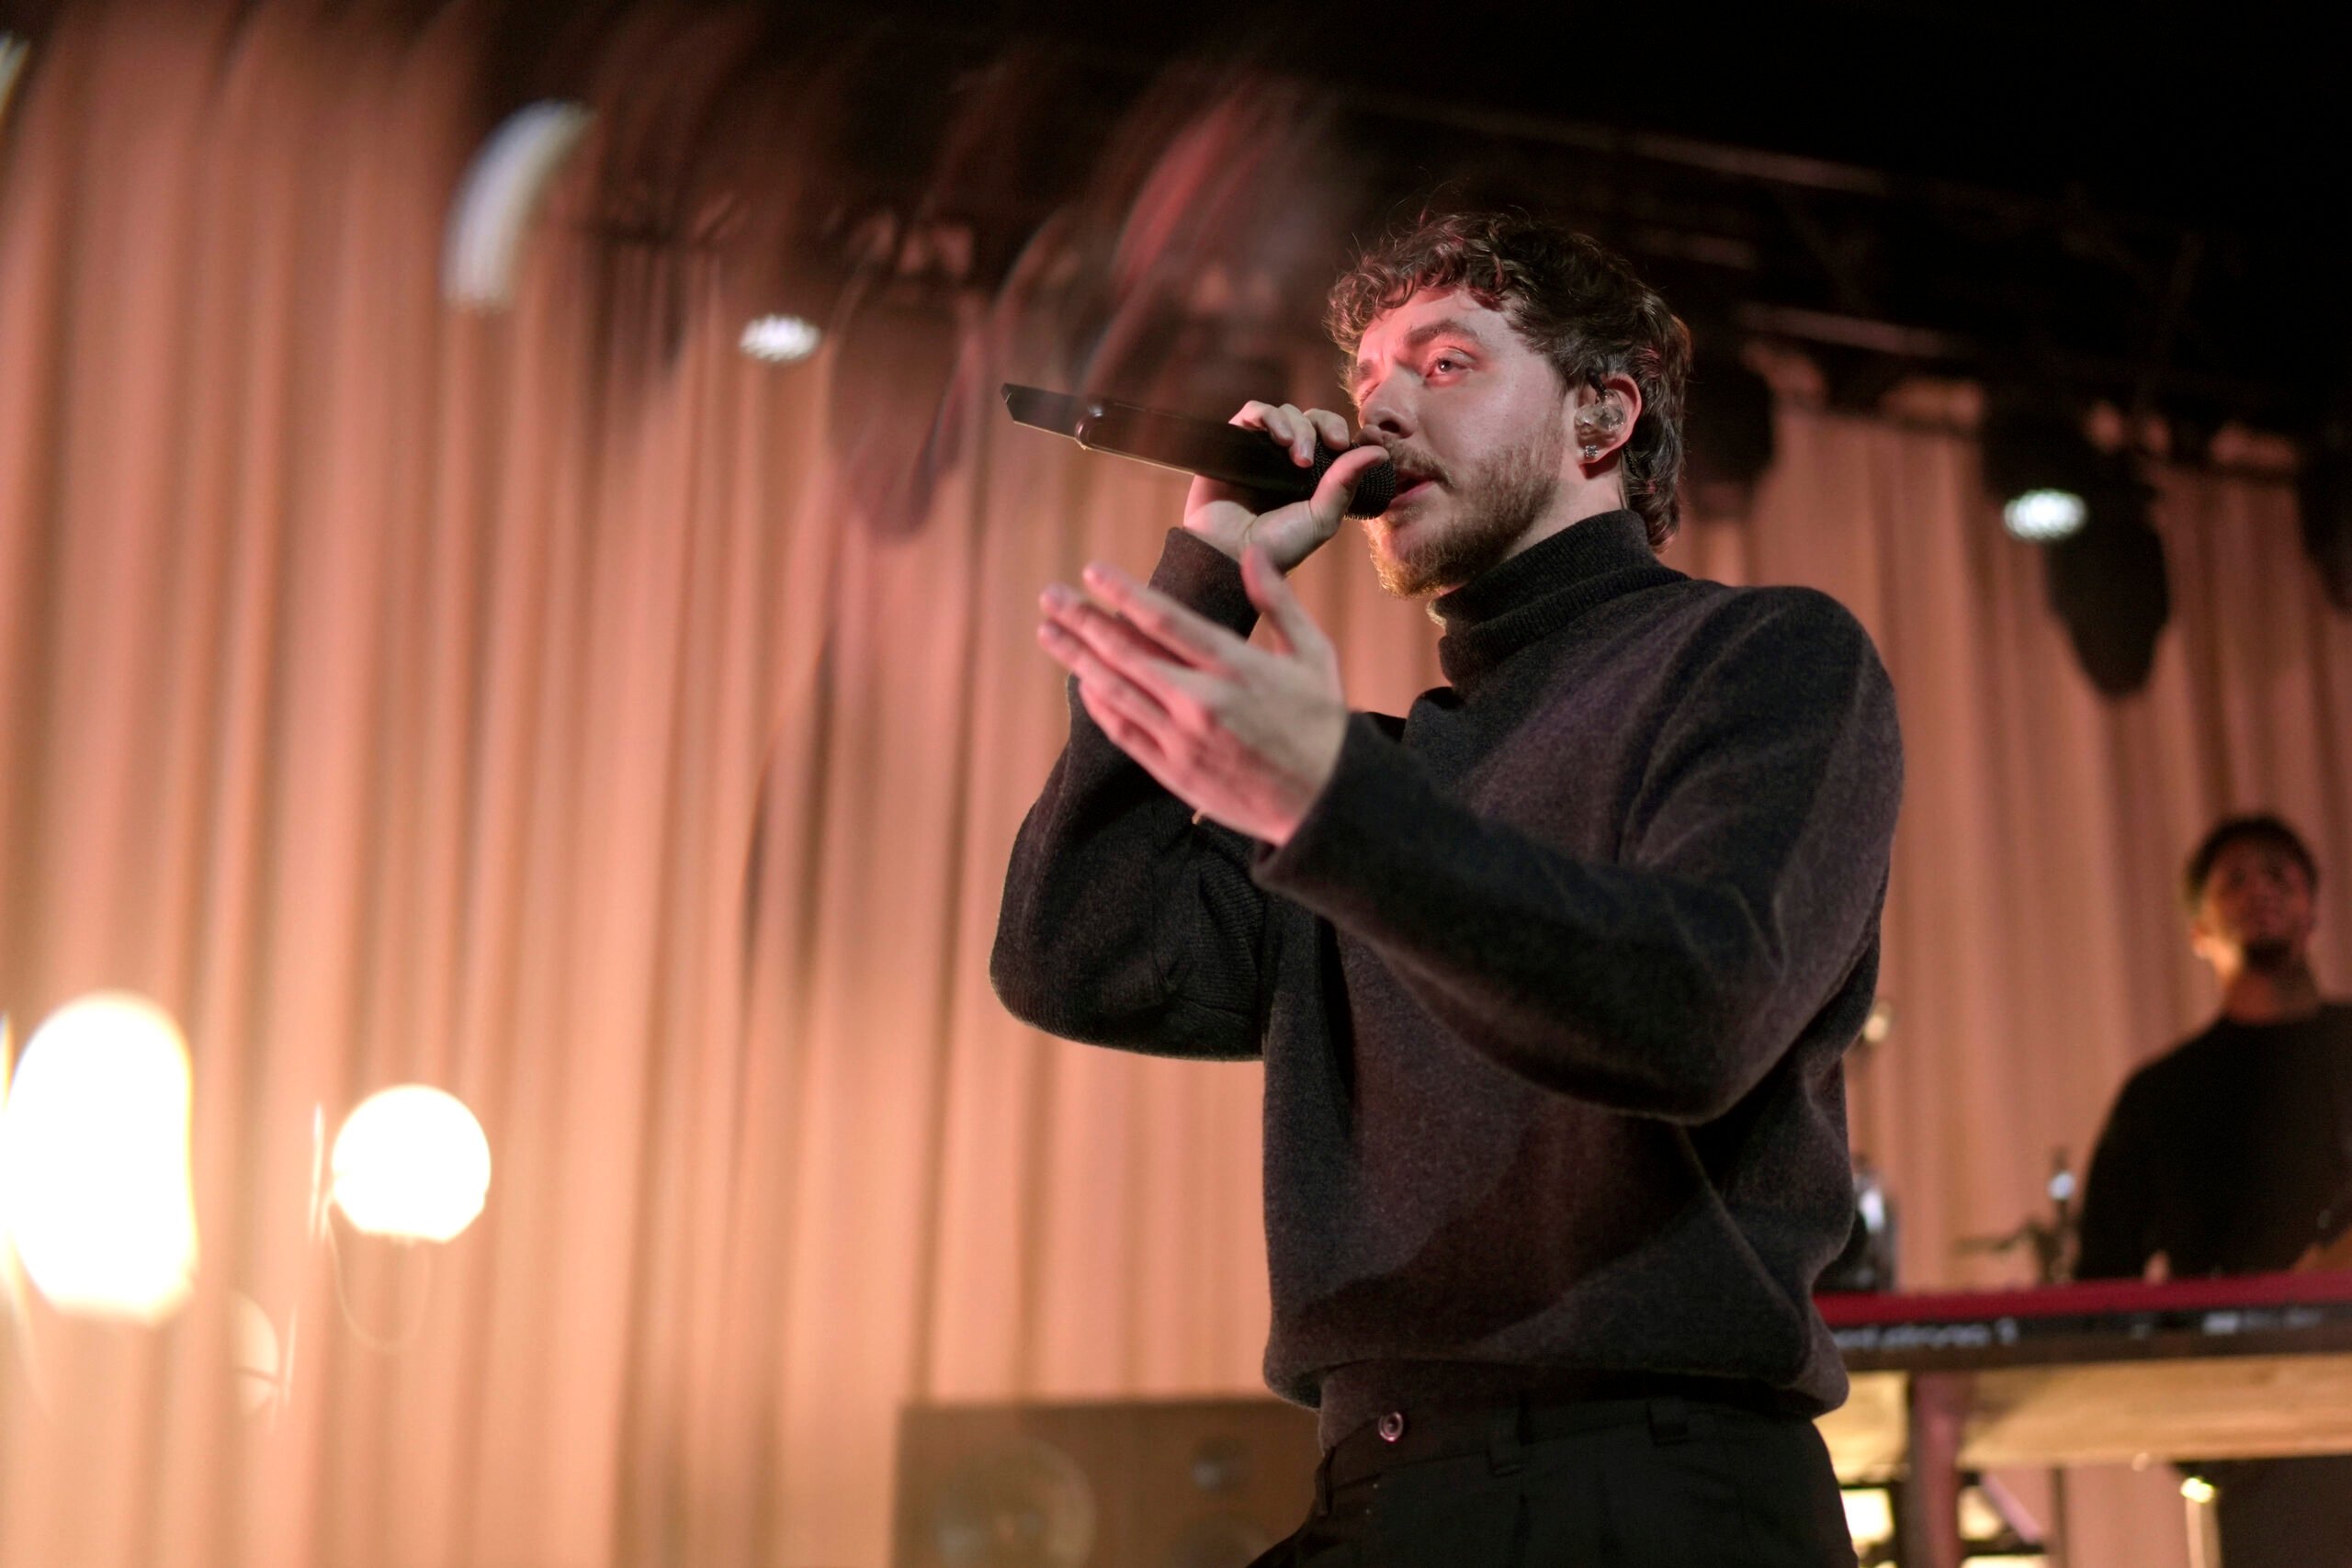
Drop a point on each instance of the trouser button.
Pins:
(1392, 1426)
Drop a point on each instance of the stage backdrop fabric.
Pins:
(528, 703)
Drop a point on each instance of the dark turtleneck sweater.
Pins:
(1552, 983)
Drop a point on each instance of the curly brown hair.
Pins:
(1570, 299)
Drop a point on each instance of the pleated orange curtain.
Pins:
(535, 704)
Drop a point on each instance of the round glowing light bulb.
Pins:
(410, 1162)
(96, 1192)
(781, 340)
(2041, 515)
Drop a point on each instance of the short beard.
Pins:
(1498, 505)
(2269, 958)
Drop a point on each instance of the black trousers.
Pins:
(2285, 1513)
(1657, 1482)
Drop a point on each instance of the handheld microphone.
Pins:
(1226, 452)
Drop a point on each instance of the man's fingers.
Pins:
(1337, 491)
(1093, 671)
(1110, 636)
(1109, 648)
(1283, 422)
(1193, 638)
(1301, 429)
(1118, 709)
(1129, 735)
(1300, 432)
(1138, 734)
(1288, 424)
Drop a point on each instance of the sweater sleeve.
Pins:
(1125, 920)
(1669, 981)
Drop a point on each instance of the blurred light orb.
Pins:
(410, 1162)
(495, 208)
(2041, 516)
(96, 1191)
(781, 340)
(1869, 1515)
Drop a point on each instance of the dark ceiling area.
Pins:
(2085, 203)
(2142, 216)
(2082, 203)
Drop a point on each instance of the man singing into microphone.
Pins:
(1551, 977)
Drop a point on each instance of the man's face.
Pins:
(2256, 911)
(1477, 424)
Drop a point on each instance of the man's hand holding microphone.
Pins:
(1246, 736)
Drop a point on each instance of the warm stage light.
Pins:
(2040, 465)
(1869, 1515)
(2038, 516)
(2197, 1489)
(2090, 510)
(95, 1187)
(781, 340)
(410, 1162)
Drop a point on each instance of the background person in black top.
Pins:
(2228, 1155)
(1552, 977)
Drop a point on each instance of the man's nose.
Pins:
(1386, 410)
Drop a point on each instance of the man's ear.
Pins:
(1601, 420)
(1628, 391)
(2200, 937)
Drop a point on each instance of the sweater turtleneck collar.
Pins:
(1543, 589)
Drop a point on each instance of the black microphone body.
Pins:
(1228, 453)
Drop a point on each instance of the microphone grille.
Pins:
(1375, 491)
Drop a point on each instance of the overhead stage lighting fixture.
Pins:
(2108, 583)
(2042, 516)
(781, 340)
(2088, 509)
(2039, 468)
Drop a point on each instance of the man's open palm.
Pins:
(1246, 736)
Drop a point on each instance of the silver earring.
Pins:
(1590, 453)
